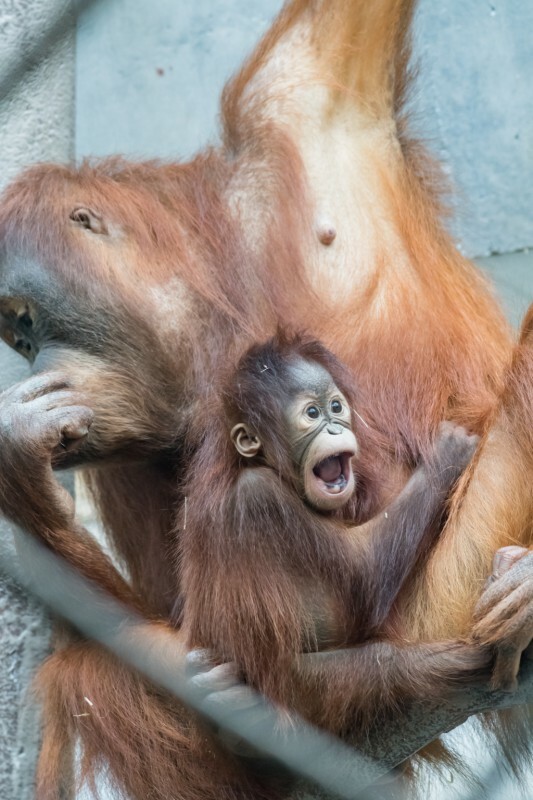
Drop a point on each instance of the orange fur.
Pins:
(201, 260)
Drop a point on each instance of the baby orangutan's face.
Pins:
(322, 441)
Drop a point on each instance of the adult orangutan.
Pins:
(127, 285)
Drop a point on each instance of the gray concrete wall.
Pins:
(475, 103)
(36, 123)
(149, 79)
(148, 85)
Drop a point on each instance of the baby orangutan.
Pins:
(275, 572)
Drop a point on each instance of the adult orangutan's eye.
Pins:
(312, 412)
(336, 406)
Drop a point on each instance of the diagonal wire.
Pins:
(312, 754)
(316, 756)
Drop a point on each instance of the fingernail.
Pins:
(505, 557)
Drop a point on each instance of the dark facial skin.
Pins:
(318, 423)
(322, 442)
(17, 327)
(110, 359)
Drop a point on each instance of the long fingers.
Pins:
(37, 385)
(504, 614)
(519, 572)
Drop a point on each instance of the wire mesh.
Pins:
(317, 758)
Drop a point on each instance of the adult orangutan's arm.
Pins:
(316, 757)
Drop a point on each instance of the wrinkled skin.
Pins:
(109, 277)
(503, 617)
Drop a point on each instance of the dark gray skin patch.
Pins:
(310, 377)
(312, 385)
(96, 324)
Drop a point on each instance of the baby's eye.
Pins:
(312, 412)
(336, 406)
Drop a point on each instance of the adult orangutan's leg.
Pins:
(492, 508)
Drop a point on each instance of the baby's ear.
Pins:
(246, 443)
